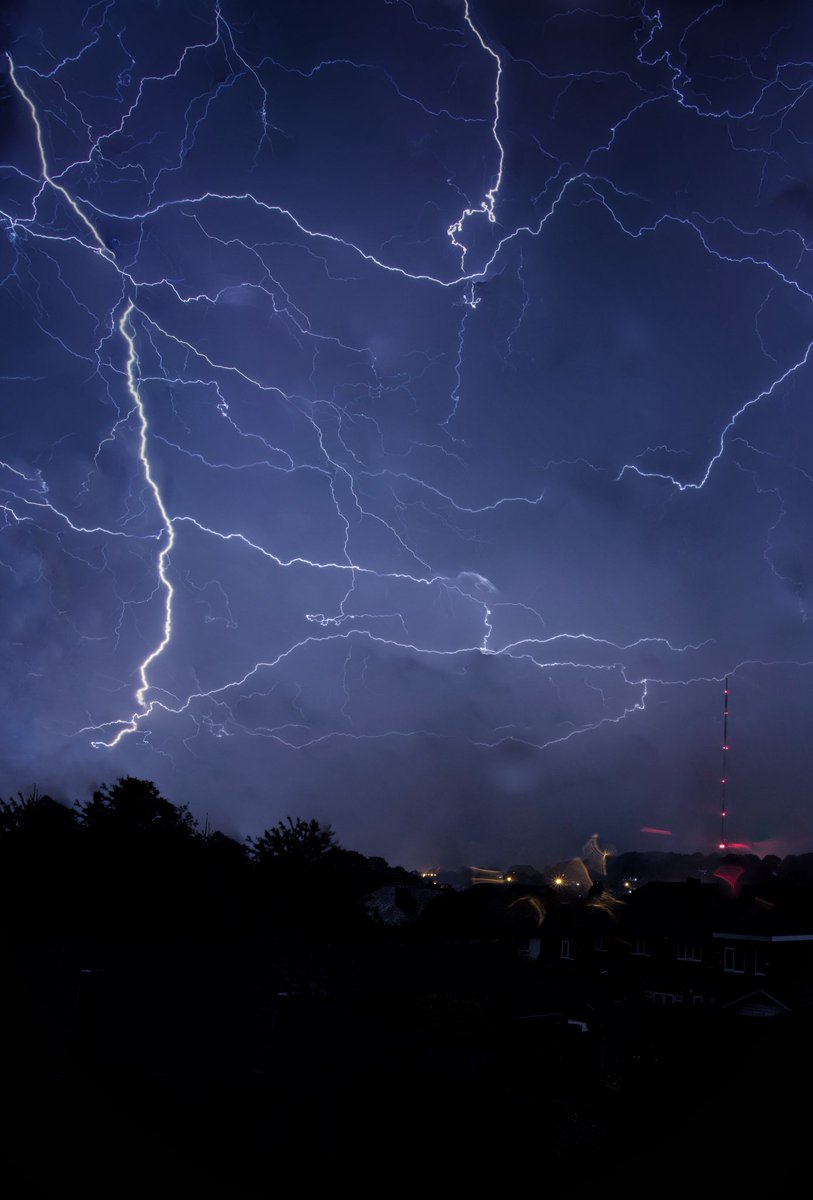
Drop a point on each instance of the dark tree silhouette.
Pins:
(36, 816)
(298, 841)
(307, 883)
(133, 806)
(38, 838)
(140, 853)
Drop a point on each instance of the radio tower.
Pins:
(724, 776)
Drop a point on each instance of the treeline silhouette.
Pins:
(193, 1015)
(128, 865)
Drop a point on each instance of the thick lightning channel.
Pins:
(333, 425)
(168, 536)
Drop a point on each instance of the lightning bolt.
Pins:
(168, 536)
(393, 566)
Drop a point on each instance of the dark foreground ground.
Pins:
(385, 1067)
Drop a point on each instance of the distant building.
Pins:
(686, 945)
(396, 904)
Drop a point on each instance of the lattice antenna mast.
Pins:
(724, 774)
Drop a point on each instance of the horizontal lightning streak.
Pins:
(148, 302)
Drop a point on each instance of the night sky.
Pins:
(406, 417)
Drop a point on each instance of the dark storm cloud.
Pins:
(459, 522)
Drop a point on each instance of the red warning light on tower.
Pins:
(722, 844)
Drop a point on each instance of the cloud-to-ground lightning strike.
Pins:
(168, 536)
(433, 378)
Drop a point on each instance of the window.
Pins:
(734, 960)
(666, 998)
(600, 944)
(687, 952)
(568, 949)
(642, 948)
